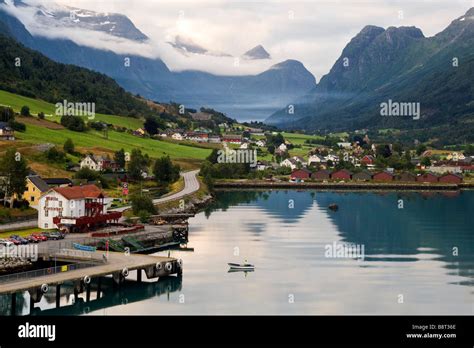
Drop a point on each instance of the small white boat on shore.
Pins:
(241, 266)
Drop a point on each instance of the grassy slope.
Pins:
(16, 101)
(36, 134)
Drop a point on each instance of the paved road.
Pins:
(191, 185)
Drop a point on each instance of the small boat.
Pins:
(333, 207)
(241, 266)
(83, 247)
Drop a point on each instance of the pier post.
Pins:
(99, 284)
(58, 294)
(76, 295)
(14, 304)
(32, 304)
(139, 275)
(88, 292)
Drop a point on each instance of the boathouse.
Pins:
(451, 178)
(342, 174)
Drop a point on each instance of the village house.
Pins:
(260, 143)
(322, 175)
(345, 145)
(244, 146)
(140, 132)
(362, 176)
(300, 174)
(177, 136)
(427, 177)
(442, 169)
(383, 176)
(6, 132)
(367, 160)
(407, 176)
(342, 174)
(75, 208)
(262, 165)
(98, 163)
(315, 160)
(35, 186)
(282, 147)
(58, 182)
(214, 139)
(333, 158)
(456, 156)
(451, 178)
(291, 163)
(232, 139)
(199, 137)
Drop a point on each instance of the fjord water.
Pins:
(419, 257)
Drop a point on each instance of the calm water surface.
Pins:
(408, 258)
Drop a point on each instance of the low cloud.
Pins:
(314, 32)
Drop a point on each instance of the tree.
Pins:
(6, 114)
(151, 126)
(87, 174)
(383, 150)
(209, 182)
(425, 161)
(25, 110)
(68, 146)
(41, 115)
(213, 156)
(54, 155)
(119, 158)
(420, 149)
(74, 123)
(138, 164)
(165, 172)
(142, 203)
(15, 169)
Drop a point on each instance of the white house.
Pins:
(177, 136)
(332, 158)
(290, 162)
(97, 163)
(92, 162)
(71, 206)
(260, 143)
(316, 159)
(345, 145)
(456, 156)
(244, 146)
(282, 147)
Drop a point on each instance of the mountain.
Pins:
(58, 17)
(258, 52)
(186, 46)
(40, 77)
(249, 97)
(402, 65)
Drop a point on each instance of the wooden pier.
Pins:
(118, 265)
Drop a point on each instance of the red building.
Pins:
(383, 176)
(427, 177)
(451, 178)
(302, 173)
(322, 175)
(367, 159)
(342, 174)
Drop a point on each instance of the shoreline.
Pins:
(344, 186)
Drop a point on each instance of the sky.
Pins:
(313, 32)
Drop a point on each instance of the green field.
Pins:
(299, 138)
(37, 135)
(16, 101)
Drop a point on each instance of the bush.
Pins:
(142, 203)
(86, 173)
(74, 123)
(17, 126)
(54, 155)
(25, 110)
(41, 115)
(144, 216)
(68, 146)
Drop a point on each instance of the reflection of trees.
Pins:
(426, 221)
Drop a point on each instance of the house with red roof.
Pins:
(427, 177)
(451, 178)
(302, 173)
(342, 174)
(74, 208)
(383, 176)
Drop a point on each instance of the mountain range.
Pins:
(248, 97)
(400, 65)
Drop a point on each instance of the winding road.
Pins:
(191, 185)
